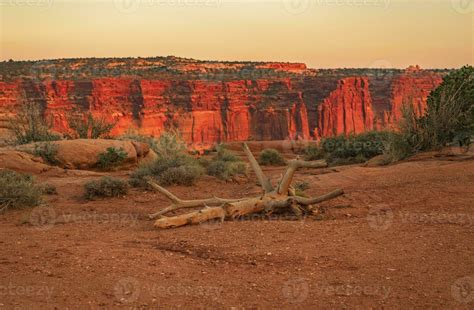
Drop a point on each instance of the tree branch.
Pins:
(293, 165)
(262, 179)
(180, 204)
(309, 201)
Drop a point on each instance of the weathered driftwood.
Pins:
(273, 199)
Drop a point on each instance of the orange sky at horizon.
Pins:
(320, 33)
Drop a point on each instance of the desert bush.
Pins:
(18, 190)
(89, 127)
(343, 150)
(449, 118)
(113, 157)
(30, 125)
(313, 152)
(226, 165)
(271, 157)
(179, 170)
(450, 111)
(48, 151)
(105, 187)
(168, 145)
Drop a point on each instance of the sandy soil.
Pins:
(401, 237)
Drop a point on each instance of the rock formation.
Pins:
(212, 102)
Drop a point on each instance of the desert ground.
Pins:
(401, 237)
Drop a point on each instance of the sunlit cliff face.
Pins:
(320, 33)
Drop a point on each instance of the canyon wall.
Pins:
(306, 104)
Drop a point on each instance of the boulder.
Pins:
(23, 162)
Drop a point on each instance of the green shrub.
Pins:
(168, 145)
(450, 110)
(48, 151)
(105, 187)
(226, 169)
(449, 118)
(180, 170)
(18, 190)
(89, 127)
(343, 150)
(113, 157)
(30, 125)
(226, 165)
(313, 152)
(271, 157)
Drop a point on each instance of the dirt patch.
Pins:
(401, 237)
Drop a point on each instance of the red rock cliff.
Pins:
(303, 105)
(413, 87)
(347, 110)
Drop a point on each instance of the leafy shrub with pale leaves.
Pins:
(105, 187)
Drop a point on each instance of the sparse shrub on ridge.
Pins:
(48, 151)
(89, 127)
(30, 125)
(18, 190)
(271, 157)
(113, 157)
(105, 187)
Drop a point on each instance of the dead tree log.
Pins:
(282, 197)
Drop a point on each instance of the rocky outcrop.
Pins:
(413, 87)
(347, 110)
(213, 102)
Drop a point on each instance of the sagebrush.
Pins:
(271, 157)
(18, 190)
(105, 187)
(226, 165)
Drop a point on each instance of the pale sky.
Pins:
(320, 33)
